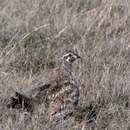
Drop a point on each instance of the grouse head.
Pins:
(70, 56)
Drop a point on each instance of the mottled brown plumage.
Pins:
(63, 101)
(64, 96)
(56, 87)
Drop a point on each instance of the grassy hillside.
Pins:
(33, 33)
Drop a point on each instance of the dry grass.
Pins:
(32, 32)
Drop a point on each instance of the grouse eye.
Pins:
(69, 55)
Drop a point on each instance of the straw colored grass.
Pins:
(33, 33)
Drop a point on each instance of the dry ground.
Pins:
(32, 35)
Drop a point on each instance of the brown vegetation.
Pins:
(33, 32)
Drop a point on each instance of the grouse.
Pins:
(59, 92)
